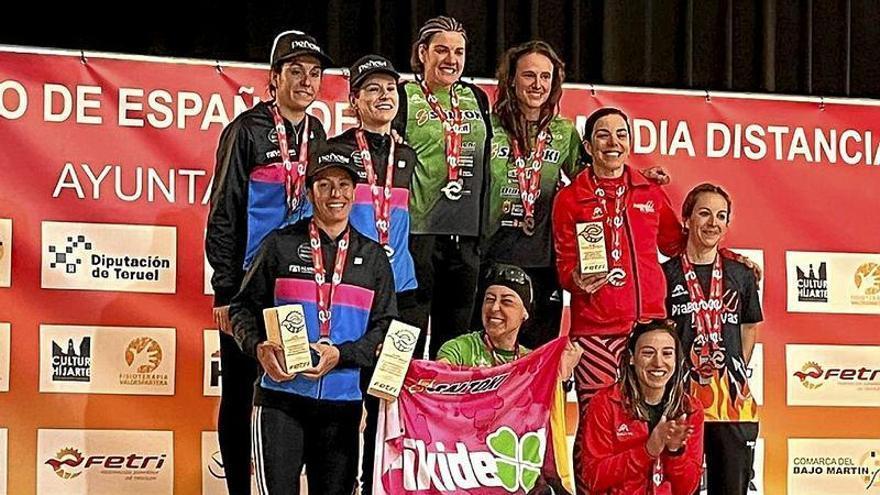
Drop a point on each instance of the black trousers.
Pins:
(545, 315)
(730, 455)
(238, 372)
(322, 435)
(447, 270)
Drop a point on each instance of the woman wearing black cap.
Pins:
(507, 299)
(381, 200)
(446, 121)
(258, 186)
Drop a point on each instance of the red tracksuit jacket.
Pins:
(649, 223)
(617, 460)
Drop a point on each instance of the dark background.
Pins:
(814, 47)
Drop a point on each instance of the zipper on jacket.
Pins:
(633, 262)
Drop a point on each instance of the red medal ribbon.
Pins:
(615, 223)
(295, 178)
(381, 197)
(452, 129)
(530, 185)
(326, 288)
(707, 313)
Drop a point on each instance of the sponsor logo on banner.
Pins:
(755, 372)
(833, 375)
(4, 357)
(867, 285)
(107, 360)
(4, 463)
(510, 461)
(211, 363)
(833, 282)
(111, 257)
(833, 466)
(143, 356)
(104, 462)
(213, 475)
(470, 387)
(5, 252)
(812, 282)
(71, 362)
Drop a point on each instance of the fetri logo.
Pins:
(143, 354)
(67, 256)
(70, 463)
(810, 372)
(65, 462)
(813, 376)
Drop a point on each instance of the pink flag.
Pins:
(468, 430)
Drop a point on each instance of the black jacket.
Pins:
(246, 143)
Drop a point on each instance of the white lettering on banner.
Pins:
(680, 141)
(15, 112)
(161, 110)
(446, 471)
(340, 116)
(755, 142)
(163, 183)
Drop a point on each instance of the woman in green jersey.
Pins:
(446, 121)
(532, 147)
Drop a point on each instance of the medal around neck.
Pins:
(397, 352)
(286, 326)
(592, 255)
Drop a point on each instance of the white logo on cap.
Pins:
(304, 44)
(372, 64)
(333, 157)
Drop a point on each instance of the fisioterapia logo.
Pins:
(143, 356)
(867, 284)
(509, 461)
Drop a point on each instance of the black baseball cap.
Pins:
(291, 44)
(512, 277)
(329, 156)
(368, 65)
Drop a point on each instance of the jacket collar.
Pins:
(583, 181)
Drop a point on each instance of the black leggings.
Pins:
(238, 372)
(447, 270)
(322, 435)
(730, 453)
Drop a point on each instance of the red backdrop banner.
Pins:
(105, 171)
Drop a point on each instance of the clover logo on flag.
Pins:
(519, 460)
